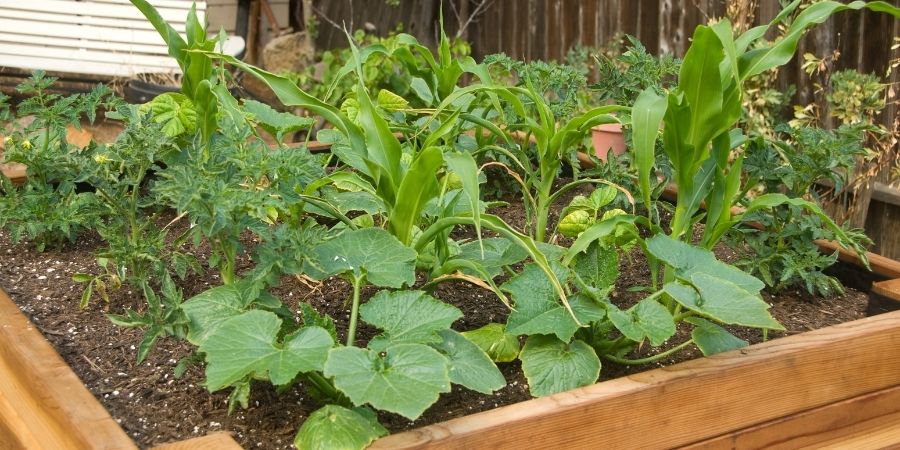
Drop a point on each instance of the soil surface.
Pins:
(155, 407)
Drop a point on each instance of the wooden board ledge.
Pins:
(43, 404)
(690, 401)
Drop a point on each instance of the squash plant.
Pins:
(403, 369)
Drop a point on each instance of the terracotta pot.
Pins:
(606, 138)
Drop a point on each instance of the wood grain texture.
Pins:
(889, 288)
(43, 404)
(691, 401)
(842, 423)
(212, 441)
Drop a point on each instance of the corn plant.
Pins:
(700, 117)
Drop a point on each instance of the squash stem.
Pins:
(354, 311)
(649, 359)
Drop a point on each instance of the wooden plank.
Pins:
(121, 47)
(879, 264)
(74, 31)
(173, 13)
(886, 437)
(90, 68)
(127, 23)
(837, 423)
(43, 404)
(884, 297)
(889, 288)
(885, 193)
(164, 62)
(687, 402)
(213, 441)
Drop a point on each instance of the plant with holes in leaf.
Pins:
(244, 335)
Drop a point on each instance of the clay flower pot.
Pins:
(606, 138)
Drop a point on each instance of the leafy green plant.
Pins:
(546, 144)
(622, 78)
(559, 84)
(784, 253)
(241, 185)
(700, 115)
(49, 209)
(855, 97)
(583, 212)
(381, 70)
(564, 350)
(403, 369)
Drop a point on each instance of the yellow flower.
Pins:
(100, 158)
(26, 144)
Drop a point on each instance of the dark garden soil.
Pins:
(154, 407)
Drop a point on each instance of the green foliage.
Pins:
(801, 156)
(538, 310)
(582, 212)
(371, 254)
(402, 378)
(50, 208)
(493, 339)
(334, 426)
(711, 338)
(622, 78)
(706, 105)
(855, 97)
(558, 84)
(647, 320)
(404, 317)
(528, 111)
(277, 124)
(381, 69)
(553, 366)
(247, 345)
(784, 253)
(470, 366)
(408, 172)
(710, 287)
(241, 185)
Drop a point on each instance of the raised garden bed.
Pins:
(385, 250)
(839, 382)
(792, 363)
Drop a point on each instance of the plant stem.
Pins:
(542, 214)
(354, 311)
(649, 359)
(324, 385)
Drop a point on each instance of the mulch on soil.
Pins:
(154, 407)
